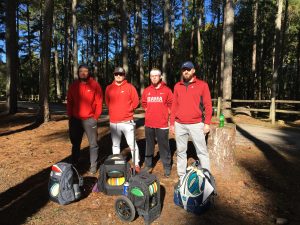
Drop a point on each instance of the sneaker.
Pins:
(137, 169)
(93, 170)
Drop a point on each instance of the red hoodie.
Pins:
(84, 99)
(121, 101)
(157, 103)
(186, 107)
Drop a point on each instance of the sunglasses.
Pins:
(184, 69)
(119, 74)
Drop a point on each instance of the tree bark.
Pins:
(276, 52)
(11, 57)
(277, 48)
(166, 43)
(44, 113)
(124, 18)
(138, 47)
(150, 34)
(228, 56)
(66, 50)
(183, 16)
(254, 48)
(75, 46)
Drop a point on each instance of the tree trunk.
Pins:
(254, 49)
(11, 57)
(221, 145)
(44, 113)
(150, 35)
(276, 52)
(66, 50)
(298, 69)
(228, 56)
(183, 16)
(138, 47)
(222, 54)
(124, 18)
(283, 79)
(200, 12)
(75, 46)
(166, 43)
(29, 45)
(193, 32)
(277, 48)
(56, 66)
(97, 31)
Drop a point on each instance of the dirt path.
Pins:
(263, 186)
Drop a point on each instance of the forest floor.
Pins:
(262, 188)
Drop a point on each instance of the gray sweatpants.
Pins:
(182, 134)
(76, 129)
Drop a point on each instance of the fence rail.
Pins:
(272, 107)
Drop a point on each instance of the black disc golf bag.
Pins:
(197, 190)
(144, 193)
(64, 184)
(113, 173)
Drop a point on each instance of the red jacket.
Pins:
(84, 100)
(188, 101)
(157, 104)
(121, 101)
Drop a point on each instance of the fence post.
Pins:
(273, 111)
(219, 106)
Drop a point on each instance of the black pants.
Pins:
(162, 136)
(76, 129)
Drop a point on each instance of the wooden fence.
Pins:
(272, 110)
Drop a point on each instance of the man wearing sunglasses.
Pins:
(122, 99)
(190, 117)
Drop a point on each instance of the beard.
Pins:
(83, 79)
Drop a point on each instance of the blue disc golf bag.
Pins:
(196, 191)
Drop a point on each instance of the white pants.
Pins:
(127, 128)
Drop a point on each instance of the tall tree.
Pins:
(75, 45)
(124, 18)
(44, 113)
(254, 46)
(138, 46)
(228, 55)
(11, 57)
(166, 43)
(150, 34)
(277, 48)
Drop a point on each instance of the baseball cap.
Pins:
(119, 70)
(187, 64)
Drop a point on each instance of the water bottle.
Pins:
(221, 120)
(125, 188)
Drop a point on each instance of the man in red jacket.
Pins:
(122, 99)
(157, 101)
(189, 119)
(84, 106)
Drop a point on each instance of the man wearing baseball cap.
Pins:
(157, 101)
(191, 117)
(84, 106)
(122, 99)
